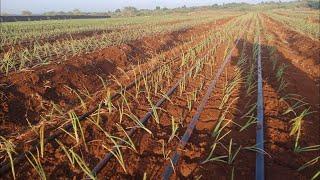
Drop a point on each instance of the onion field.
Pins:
(215, 94)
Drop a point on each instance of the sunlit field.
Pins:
(203, 93)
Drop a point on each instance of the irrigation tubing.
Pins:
(102, 163)
(186, 136)
(84, 116)
(260, 118)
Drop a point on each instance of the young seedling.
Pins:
(283, 84)
(231, 155)
(138, 122)
(274, 62)
(144, 176)
(213, 147)
(166, 155)
(82, 164)
(189, 102)
(296, 124)
(76, 125)
(307, 149)
(252, 120)
(182, 86)
(41, 139)
(221, 119)
(280, 72)
(67, 152)
(8, 147)
(174, 128)
(96, 114)
(164, 95)
(85, 92)
(249, 113)
(36, 164)
(310, 163)
(123, 72)
(83, 104)
(117, 154)
(121, 111)
(104, 83)
(128, 142)
(137, 85)
(257, 150)
(32, 127)
(299, 103)
(108, 101)
(154, 109)
(147, 87)
(7, 62)
(116, 149)
(232, 173)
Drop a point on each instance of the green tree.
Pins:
(314, 4)
(129, 11)
(26, 13)
(76, 12)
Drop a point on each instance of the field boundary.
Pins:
(41, 18)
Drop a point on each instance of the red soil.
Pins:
(301, 56)
(302, 74)
(64, 37)
(28, 94)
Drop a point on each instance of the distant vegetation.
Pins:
(314, 4)
(133, 11)
(26, 13)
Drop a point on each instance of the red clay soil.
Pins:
(282, 163)
(310, 19)
(28, 94)
(64, 37)
(60, 165)
(300, 53)
(202, 139)
(199, 146)
(301, 56)
(149, 147)
(240, 103)
(300, 43)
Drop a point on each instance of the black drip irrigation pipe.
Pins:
(260, 119)
(102, 163)
(186, 136)
(4, 168)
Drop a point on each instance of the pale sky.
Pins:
(40, 6)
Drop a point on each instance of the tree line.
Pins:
(133, 11)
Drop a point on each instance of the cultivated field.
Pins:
(215, 94)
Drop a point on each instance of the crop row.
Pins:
(296, 108)
(302, 25)
(18, 32)
(75, 124)
(45, 53)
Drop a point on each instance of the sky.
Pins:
(40, 6)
